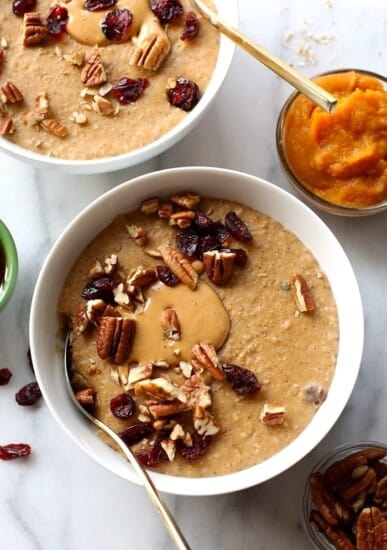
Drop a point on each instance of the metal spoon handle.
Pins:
(318, 95)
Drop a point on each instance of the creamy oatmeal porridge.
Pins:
(205, 333)
(84, 79)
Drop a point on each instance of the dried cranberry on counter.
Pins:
(98, 5)
(116, 25)
(29, 394)
(100, 289)
(237, 227)
(200, 445)
(167, 276)
(57, 20)
(20, 7)
(5, 376)
(14, 450)
(191, 26)
(122, 406)
(184, 95)
(166, 10)
(242, 381)
(135, 433)
(128, 90)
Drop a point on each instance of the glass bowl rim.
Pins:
(314, 200)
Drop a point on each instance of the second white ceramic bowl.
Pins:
(212, 182)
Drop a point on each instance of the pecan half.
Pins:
(186, 200)
(179, 265)
(115, 338)
(138, 233)
(218, 266)
(86, 396)
(53, 126)
(167, 408)
(366, 524)
(150, 48)
(34, 30)
(7, 127)
(11, 92)
(341, 470)
(142, 276)
(360, 485)
(170, 324)
(380, 496)
(301, 293)
(324, 499)
(204, 356)
(159, 389)
(165, 210)
(93, 72)
(336, 536)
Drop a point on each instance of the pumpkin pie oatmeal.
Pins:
(85, 79)
(203, 332)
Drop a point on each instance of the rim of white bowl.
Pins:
(230, 12)
(273, 200)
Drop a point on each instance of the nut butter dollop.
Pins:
(85, 26)
(201, 315)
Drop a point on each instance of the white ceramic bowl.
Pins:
(229, 12)
(214, 182)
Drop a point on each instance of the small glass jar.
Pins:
(316, 537)
(309, 197)
(8, 265)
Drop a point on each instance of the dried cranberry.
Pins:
(2, 56)
(167, 276)
(5, 376)
(202, 221)
(191, 26)
(101, 288)
(240, 255)
(185, 95)
(128, 90)
(223, 234)
(200, 444)
(208, 242)
(166, 10)
(187, 242)
(237, 227)
(122, 406)
(56, 20)
(135, 433)
(20, 7)
(28, 394)
(14, 450)
(242, 381)
(116, 25)
(156, 454)
(98, 5)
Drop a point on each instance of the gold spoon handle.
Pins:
(141, 472)
(318, 95)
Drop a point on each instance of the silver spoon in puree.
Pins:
(170, 523)
(315, 93)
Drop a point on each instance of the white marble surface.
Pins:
(59, 498)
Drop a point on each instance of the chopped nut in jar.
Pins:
(181, 335)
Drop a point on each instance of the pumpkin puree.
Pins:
(341, 157)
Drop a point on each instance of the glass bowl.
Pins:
(316, 537)
(8, 265)
(306, 194)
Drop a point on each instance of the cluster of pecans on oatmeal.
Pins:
(103, 89)
(350, 500)
(169, 402)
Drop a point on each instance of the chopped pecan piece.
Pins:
(182, 219)
(197, 392)
(150, 206)
(138, 233)
(11, 93)
(205, 357)
(159, 389)
(94, 310)
(142, 371)
(341, 470)
(186, 200)
(34, 30)
(151, 47)
(102, 106)
(358, 486)
(93, 72)
(204, 422)
(165, 210)
(167, 408)
(115, 338)
(179, 265)
(86, 396)
(7, 127)
(272, 414)
(301, 293)
(170, 324)
(53, 126)
(169, 447)
(218, 266)
(142, 276)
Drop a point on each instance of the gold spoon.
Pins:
(170, 523)
(318, 95)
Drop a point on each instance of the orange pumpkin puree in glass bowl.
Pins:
(341, 157)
